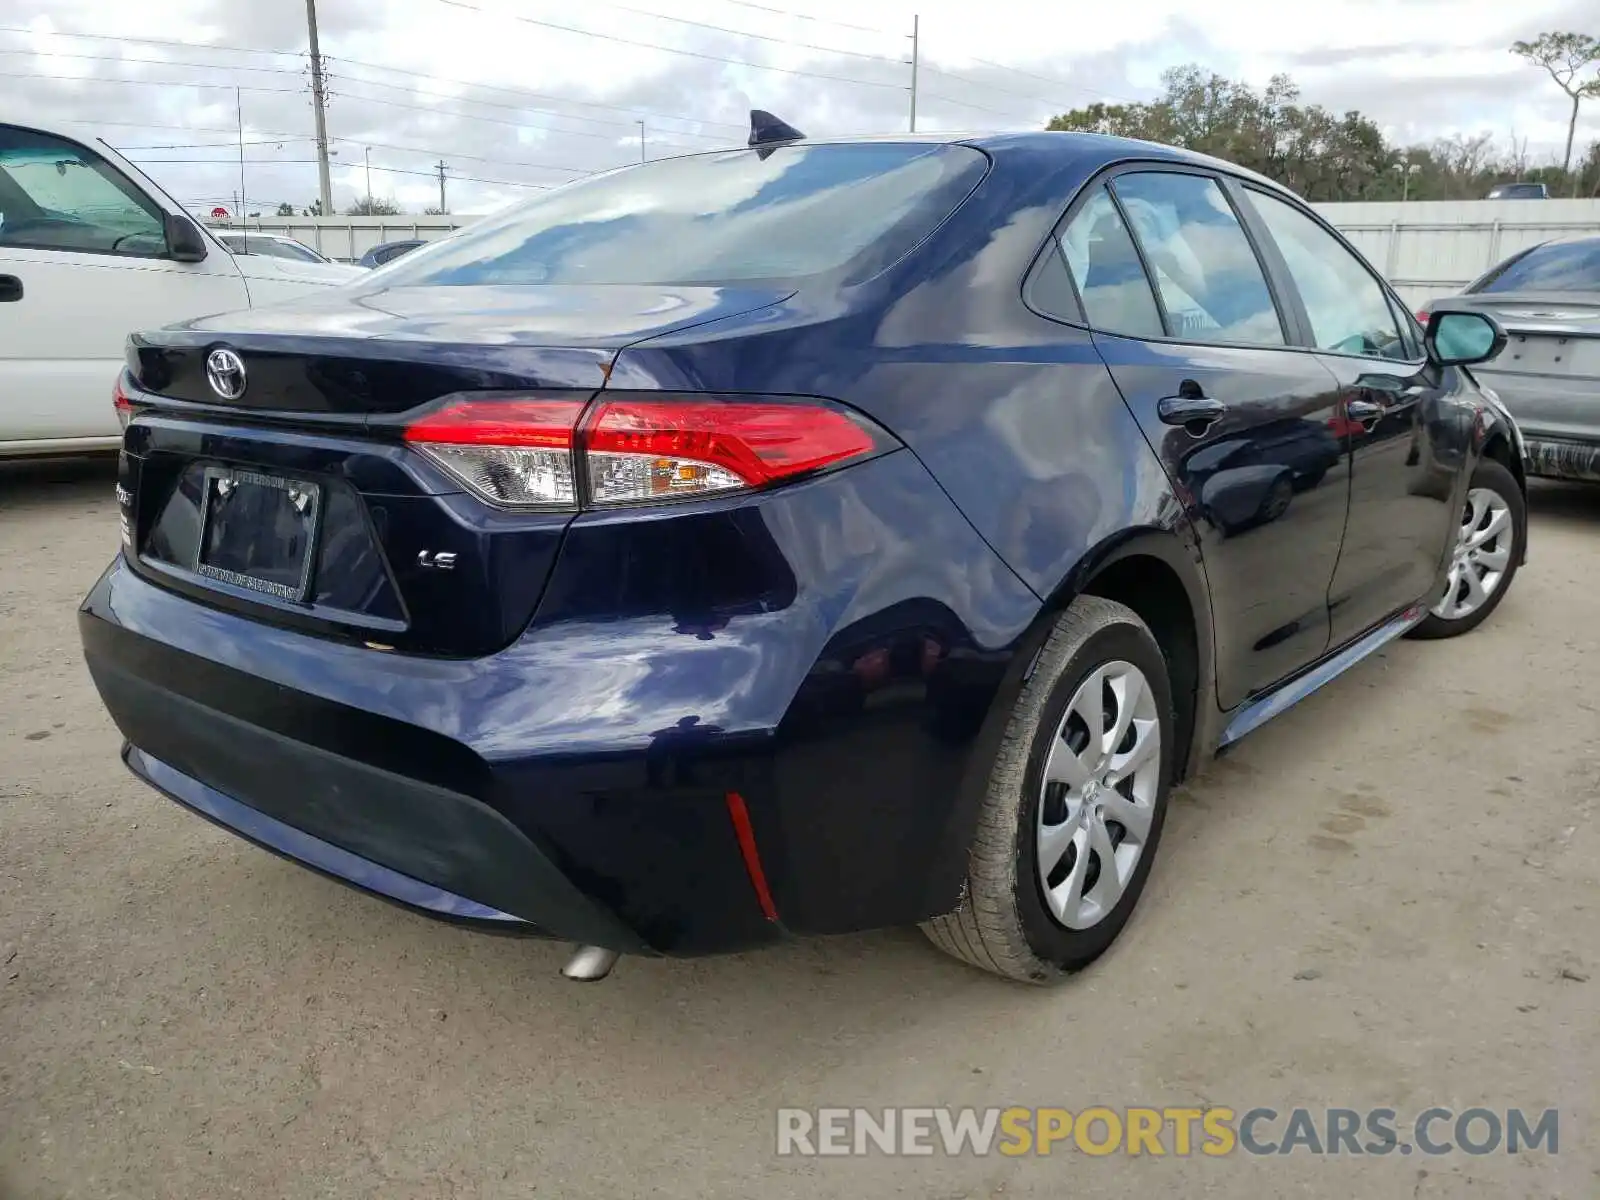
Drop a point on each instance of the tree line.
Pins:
(1327, 156)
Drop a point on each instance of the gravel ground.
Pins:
(1385, 898)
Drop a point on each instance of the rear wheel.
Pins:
(1488, 550)
(1075, 803)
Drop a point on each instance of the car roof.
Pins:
(1099, 149)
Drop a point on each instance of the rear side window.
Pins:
(1106, 267)
(1553, 267)
(1211, 282)
(775, 213)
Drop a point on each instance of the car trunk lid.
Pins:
(276, 481)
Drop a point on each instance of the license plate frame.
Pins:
(303, 497)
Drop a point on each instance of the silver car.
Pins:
(1548, 300)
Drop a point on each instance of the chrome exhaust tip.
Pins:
(590, 964)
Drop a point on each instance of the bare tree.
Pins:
(1567, 57)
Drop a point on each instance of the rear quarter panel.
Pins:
(876, 774)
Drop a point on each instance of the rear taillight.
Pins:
(1422, 317)
(512, 452)
(123, 403)
(522, 452)
(654, 449)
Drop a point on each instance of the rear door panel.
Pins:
(1267, 487)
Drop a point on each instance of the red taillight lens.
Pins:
(1422, 317)
(655, 449)
(520, 451)
(512, 452)
(122, 402)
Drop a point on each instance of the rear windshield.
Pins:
(741, 215)
(1554, 267)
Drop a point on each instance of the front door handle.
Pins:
(1195, 413)
(1368, 412)
(10, 289)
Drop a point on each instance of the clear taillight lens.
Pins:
(656, 449)
(513, 453)
(521, 452)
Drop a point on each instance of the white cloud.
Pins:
(416, 80)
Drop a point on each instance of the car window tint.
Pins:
(1209, 278)
(1348, 307)
(1101, 256)
(1553, 267)
(1050, 287)
(777, 212)
(55, 195)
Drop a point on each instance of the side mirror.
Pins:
(1459, 339)
(184, 241)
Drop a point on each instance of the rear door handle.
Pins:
(10, 289)
(1195, 413)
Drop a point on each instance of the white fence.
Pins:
(1426, 248)
(348, 238)
(1436, 247)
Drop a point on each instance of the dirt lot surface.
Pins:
(1388, 897)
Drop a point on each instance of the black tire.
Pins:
(1003, 924)
(1495, 477)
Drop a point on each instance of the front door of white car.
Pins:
(83, 262)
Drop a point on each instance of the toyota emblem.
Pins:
(225, 373)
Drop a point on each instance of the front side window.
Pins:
(1105, 265)
(1211, 282)
(1552, 267)
(1348, 307)
(56, 195)
(779, 212)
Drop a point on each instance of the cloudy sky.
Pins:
(512, 94)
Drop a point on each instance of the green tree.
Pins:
(286, 209)
(1567, 57)
(1318, 153)
(373, 206)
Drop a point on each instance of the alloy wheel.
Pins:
(1482, 554)
(1097, 801)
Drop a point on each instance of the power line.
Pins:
(180, 83)
(267, 162)
(948, 74)
(760, 37)
(969, 104)
(438, 112)
(511, 91)
(783, 12)
(1056, 82)
(410, 89)
(106, 37)
(213, 145)
(154, 62)
(737, 62)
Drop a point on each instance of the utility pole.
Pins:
(319, 102)
(369, 180)
(441, 169)
(238, 109)
(916, 50)
(640, 124)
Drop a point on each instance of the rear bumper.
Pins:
(579, 780)
(299, 846)
(1557, 458)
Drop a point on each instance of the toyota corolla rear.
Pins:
(427, 585)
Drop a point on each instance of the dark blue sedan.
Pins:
(791, 540)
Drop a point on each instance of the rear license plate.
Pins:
(1551, 355)
(257, 531)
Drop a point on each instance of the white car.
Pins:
(272, 245)
(91, 249)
